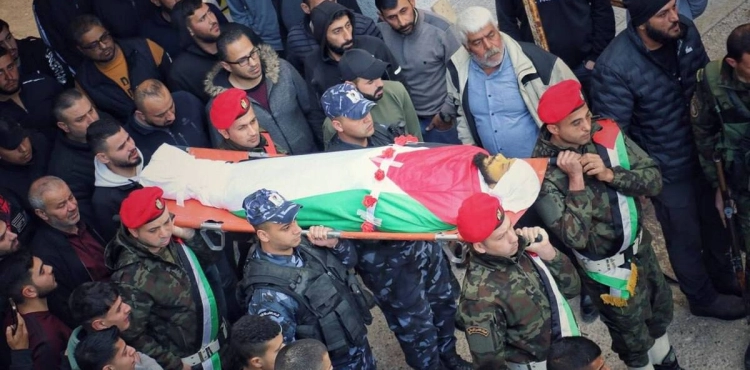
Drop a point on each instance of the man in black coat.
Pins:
(71, 246)
(644, 80)
(33, 56)
(72, 159)
(23, 157)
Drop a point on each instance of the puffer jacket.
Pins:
(648, 103)
(295, 120)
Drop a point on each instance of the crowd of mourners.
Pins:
(94, 274)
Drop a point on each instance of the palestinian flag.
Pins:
(394, 189)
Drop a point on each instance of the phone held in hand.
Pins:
(14, 315)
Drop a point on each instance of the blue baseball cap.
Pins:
(269, 206)
(343, 100)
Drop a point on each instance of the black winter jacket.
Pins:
(17, 178)
(189, 71)
(74, 163)
(36, 57)
(107, 203)
(53, 247)
(38, 93)
(650, 104)
(53, 19)
(109, 96)
(22, 220)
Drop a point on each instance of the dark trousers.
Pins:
(696, 242)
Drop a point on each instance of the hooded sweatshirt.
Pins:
(146, 363)
(111, 189)
(321, 71)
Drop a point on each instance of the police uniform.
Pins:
(602, 226)
(511, 308)
(411, 280)
(312, 293)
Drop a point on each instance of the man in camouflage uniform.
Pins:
(174, 316)
(412, 281)
(512, 305)
(720, 115)
(587, 199)
(309, 290)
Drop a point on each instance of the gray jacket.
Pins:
(423, 56)
(295, 120)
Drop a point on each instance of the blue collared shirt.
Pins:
(503, 122)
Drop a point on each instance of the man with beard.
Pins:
(113, 68)
(158, 266)
(8, 239)
(300, 40)
(163, 117)
(33, 56)
(26, 280)
(394, 108)
(280, 98)
(483, 86)
(199, 30)
(28, 99)
(23, 158)
(159, 28)
(350, 117)
(422, 43)
(644, 80)
(71, 158)
(332, 26)
(117, 168)
(71, 246)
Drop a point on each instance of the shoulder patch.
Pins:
(478, 330)
(695, 106)
(270, 313)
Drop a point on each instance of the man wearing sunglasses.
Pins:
(114, 68)
(283, 103)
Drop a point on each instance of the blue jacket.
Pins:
(261, 16)
(648, 103)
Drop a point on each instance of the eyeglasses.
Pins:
(105, 39)
(244, 61)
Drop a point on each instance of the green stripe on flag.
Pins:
(339, 211)
(214, 312)
(622, 156)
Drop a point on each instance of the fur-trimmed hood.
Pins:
(269, 62)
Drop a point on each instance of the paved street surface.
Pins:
(700, 343)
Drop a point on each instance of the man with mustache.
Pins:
(24, 155)
(64, 241)
(423, 43)
(394, 107)
(117, 168)
(644, 80)
(27, 99)
(163, 117)
(113, 68)
(159, 28)
(333, 28)
(281, 100)
(28, 281)
(199, 29)
(483, 86)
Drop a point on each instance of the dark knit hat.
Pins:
(642, 10)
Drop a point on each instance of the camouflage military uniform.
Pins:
(285, 309)
(415, 288)
(505, 309)
(164, 322)
(584, 221)
(724, 135)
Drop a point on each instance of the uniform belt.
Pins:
(530, 366)
(209, 350)
(615, 261)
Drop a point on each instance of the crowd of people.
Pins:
(94, 274)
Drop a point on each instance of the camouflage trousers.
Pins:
(634, 327)
(358, 358)
(415, 288)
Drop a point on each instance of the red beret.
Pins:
(478, 217)
(141, 206)
(4, 210)
(559, 101)
(227, 107)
